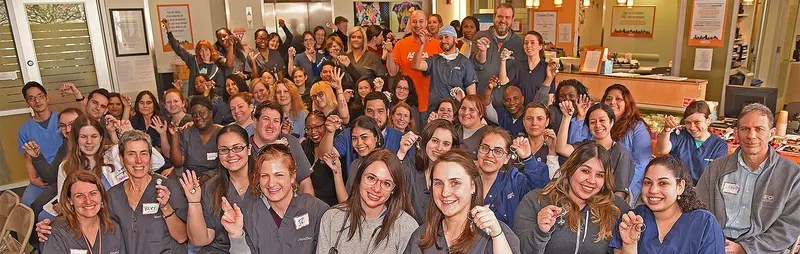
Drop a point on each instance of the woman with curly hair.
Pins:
(671, 204)
(576, 212)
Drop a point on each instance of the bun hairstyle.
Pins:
(688, 201)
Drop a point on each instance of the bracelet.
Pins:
(498, 234)
(81, 99)
(194, 202)
(170, 214)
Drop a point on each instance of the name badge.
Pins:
(76, 251)
(211, 156)
(149, 208)
(730, 188)
(122, 176)
(301, 221)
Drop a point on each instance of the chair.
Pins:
(8, 200)
(21, 224)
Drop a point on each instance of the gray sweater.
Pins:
(775, 218)
(560, 239)
(332, 222)
(492, 65)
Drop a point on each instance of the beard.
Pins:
(500, 30)
(446, 46)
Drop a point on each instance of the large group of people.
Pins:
(439, 142)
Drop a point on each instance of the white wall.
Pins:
(202, 28)
(664, 33)
(237, 18)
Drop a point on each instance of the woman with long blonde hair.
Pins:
(367, 62)
(577, 211)
(292, 106)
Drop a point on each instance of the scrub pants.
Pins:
(30, 194)
(422, 121)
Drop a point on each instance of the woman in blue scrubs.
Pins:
(85, 226)
(671, 203)
(504, 185)
(280, 219)
(692, 144)
(232, 182)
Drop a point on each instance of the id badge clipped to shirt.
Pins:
(211, 156)
(730, 188)
(149, 208)
(77, 251)
(301, 221)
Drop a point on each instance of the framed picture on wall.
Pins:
(633, 21)
(592, 59)
(130, 34)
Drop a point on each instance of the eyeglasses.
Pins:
(235, 149)
(371, 180)
(497, 152)
(310, 128)
(402, 88)
(38, 97)
(318, 96)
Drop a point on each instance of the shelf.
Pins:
(742, 15)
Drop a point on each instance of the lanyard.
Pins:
(99, 239)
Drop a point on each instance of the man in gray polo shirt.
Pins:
(268, 120)
(753, 192)
(448, 70)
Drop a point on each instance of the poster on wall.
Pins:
(180, 23)
(634, 21)
(400, 13)
(544, 22)
(129, 32)
(371, 13)
(708, 23)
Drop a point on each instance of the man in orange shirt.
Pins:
(403, 54)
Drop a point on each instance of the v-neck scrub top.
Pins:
(297, 233)
(145, 230)
(63, 241)
(694, 158)
(221, 243)
(483, 242)
(694, 232)
(198, 156)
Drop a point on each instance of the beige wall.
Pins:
(664, 33)
(238, 19)
(202, 28)
(591, 31)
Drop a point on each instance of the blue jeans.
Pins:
(30, 194)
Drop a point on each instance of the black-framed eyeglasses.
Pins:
(314, 128)
(497, 152)
(235, 149)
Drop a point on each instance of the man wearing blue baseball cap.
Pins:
(451, 72)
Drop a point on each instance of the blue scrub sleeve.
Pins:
(713, 237)
(535, 173)
(470, 76)
(641, 151)
(577, 131)
(342, 142)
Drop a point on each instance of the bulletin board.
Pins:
(180, 23)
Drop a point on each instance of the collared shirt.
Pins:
(510, 187)
(696, 231)
(737, 191)
(63, 241)
(529, 80)
(448, 74)
(482, 244)
(696, 158)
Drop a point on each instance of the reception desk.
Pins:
(652, 94)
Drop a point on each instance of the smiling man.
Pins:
(491, 42)
(448, 70)
(753, 192)
(509, 117)
(43, 129)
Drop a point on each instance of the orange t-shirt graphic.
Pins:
(403, 55)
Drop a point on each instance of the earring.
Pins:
(679, 197)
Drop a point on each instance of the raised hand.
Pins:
(165, 24)
(546, 217)
(458, 94)
(124, 126)
(494, 81)
(112, 124)
(292, 52)
(162, 196)
(348, 94)
(332, 160)
(567, 109)
(232, 219)
(552, 69)
(32, 149)
(191, 186)
(506, 54)
(378, 84)
(344, 60)
(433, 116)
(286, 127)
(70, 89)
(338, 75)
(630, 228)
(670, 123)
(550, 138)
(424, 36)
(484, 218)
(43, 230)
(583, 105)
(388, 45)
(281, 22)
(407, 141)
(522, 146)
(483, 44)
(158, 125)
(333, 123)
(178, 84)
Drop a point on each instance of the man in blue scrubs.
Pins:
(448, 70)
(509, 117)
(43, 129)
(376, 106)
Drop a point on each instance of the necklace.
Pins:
(99, 241)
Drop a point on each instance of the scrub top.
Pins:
(312, 66)
(344, 145)
(138, 123)
(144, 228)
(694, 158)
(273, 62)
(298, 229)
(511, 185)
(417, 188)
(222, 112)
(321, 175)
(506, 120)
(221, 243)
(529, 81)
(448, 74)
(483, 242)
(63, 241)
(694, 232)
(300, 161)
(199, 156)
(49, 139)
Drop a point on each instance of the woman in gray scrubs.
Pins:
(84, 225)
(458, 222)
(152, 220)
(205, 210)
(438, 137)
(281, 220)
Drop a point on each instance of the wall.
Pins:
(591, 31)
(664, 33)
(145, 62)
(237, 18)
(566, 14)
(202, 28)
